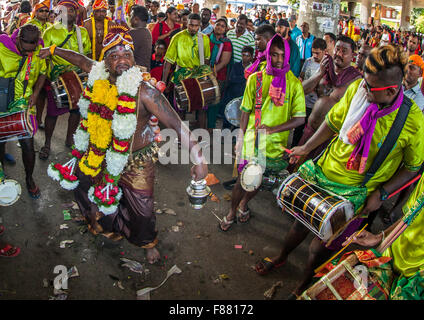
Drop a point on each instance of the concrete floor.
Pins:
(199, 249)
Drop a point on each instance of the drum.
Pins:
(251, 176)
(67, 89)
(17, 125)
(10, 191)
(324, 213)
(194, 94)
(232, 111)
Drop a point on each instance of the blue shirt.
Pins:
(294, 58)
(295, 33)
(208, 30)
(305, 46)
(415, 94)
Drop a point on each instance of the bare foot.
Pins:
(152, 255)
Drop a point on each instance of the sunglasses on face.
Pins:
(373, 89)
(43, 10)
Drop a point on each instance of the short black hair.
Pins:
(206, 9)
(29, 32)
(248, 49)
(319, 43)
(140, 12)
(25, 7)
(194, 16)
(160, 42)
(348, 40)
(331, 35)
(185, 12)
(265, 29)
(170, 10)
(155, 3)
(243, 17)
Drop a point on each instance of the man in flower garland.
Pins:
(115, 90)
(98, 26)
(65, 37)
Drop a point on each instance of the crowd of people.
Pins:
(330, 102)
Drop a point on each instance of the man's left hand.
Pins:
(373, 203)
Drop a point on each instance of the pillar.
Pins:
(366, 6)
(405, 16)
(322, 18)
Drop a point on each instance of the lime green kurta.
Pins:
(409, 148)
(57, 33)
(184, 50)
(42, 26)
(9, 65)
(271, 115)
(407, 251)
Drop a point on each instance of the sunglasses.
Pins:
(43, 10)
(373, 89)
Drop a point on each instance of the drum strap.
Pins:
(390, 140)
(258, 105)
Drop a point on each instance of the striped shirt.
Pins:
(239, 42)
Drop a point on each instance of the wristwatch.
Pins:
(383, 194)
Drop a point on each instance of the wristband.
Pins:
(52, 49)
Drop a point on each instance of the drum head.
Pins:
(251, 177)
(10, 191)
(232, 111)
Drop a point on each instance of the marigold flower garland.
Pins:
(102, 140)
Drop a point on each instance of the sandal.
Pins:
(264, 266)
(34, 193)
(226, 222)
(9, 252)
(244, 215)
(44, 153)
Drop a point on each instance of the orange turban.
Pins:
(40, 5)
(118, 36)
(417, 60)
(100, 4)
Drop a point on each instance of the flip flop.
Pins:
(9, 252)
(268, 265)
(34, 193)
(44, 153)
(243, 214)
(230, 223)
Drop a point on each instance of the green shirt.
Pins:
(9, 65)
(57, 33)
(271, 115)
(409, 148)
(39, 24)
(184, 50)
(407, 251)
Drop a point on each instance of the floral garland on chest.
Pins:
(102, 141)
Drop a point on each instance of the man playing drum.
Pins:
(278, 95)
(19, 52)
(69, 37)
(185, 51)
(361, 120)
(116, 84)
(98, 26)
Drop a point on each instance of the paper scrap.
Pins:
(141, 294)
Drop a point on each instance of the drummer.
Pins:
(65, 37)
(96, 26)
(338, 169)
(23, 47)
(183, 51)
(282, 109)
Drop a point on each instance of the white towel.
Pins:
(358, 106)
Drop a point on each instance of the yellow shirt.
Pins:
(9, 65)
(408, 150)
(271, 115)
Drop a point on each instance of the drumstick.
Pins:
(341, 250)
